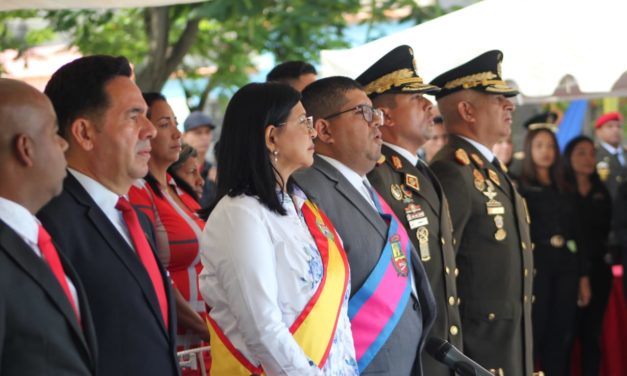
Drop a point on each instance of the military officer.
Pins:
(490, 221)
(610, 153)
(410, 188)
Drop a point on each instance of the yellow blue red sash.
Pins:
(314, 329)
(376, 308)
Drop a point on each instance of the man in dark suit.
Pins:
(45, 321)
(491, 226)
(348, 145)
(611, 155)
(102, 115)
(410, 188)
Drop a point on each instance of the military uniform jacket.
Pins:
(611, 172)
(418, 202)
(491, 229)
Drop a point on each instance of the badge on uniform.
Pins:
(500, 233)
(462, 157)
(412, 182)
(398, 257)
(406, 193)
(493, 206)
(494, 177)
(396, 191)
(381, 160)
(477, 159)
(415, 216)
(423, 243)
(603, 169)
(479, 180)
(396, 162)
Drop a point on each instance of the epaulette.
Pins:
(462, 157)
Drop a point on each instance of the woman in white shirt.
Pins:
(275, 273)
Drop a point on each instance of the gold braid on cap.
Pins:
(479, 79)
(536, 126)
(397, 78)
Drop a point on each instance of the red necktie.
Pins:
(51, 256)
(144, 252)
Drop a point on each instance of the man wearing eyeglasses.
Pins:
(410, 188)
(391, 302)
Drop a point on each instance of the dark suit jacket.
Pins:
(389, 179)
(39, 332)
(495, 276)
(132, 338)
(364, 234)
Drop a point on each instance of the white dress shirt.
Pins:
(26, 225)
(411, 157)
(260, 270)
(354, 178)
(487, 153)
(106, 201)
(614, 151)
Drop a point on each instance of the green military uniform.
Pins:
(419, 203)
(611, 172)
(417, 199)
(492, 241)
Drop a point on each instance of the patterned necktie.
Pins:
(144, 252)
(51, 256)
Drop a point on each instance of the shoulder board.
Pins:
(462, 157)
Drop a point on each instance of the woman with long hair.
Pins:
(186, 173)
(560, 283)
(275, 273)
(593, 205)
(177, 227)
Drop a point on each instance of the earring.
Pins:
(275, 153)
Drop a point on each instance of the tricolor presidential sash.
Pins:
(314, 329)
(375, 309)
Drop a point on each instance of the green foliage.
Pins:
(230, 33)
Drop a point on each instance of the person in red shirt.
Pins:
(178, 228)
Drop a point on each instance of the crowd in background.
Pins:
(346, 227)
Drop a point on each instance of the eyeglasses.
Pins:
(306, 121)
(369, 113)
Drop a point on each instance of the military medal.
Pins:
(603, 169)
(415, 216)
(479, 180)
(462, 157)
(500, 234)
(423, 240)
(494, 177)
(412, 182)
(493, 206)
(407, 193)
(396, 192)
(398, 257)
(477, 160)
(396, 162)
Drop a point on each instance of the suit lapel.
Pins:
(346, 189)
(118, 246)
(37, 269)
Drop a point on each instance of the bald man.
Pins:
(45, 322)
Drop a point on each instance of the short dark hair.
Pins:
(245, 166)
(150, 98)
(529, 174)
(326, 96)
(568, 167)
(290, 70)
(77, 88)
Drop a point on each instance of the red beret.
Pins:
(608, 117)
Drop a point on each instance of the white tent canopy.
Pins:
(85, 4)
(552, 48)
